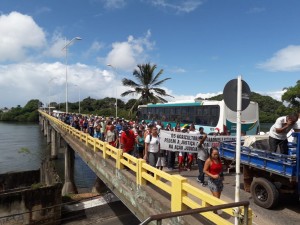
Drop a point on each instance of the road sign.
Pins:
(230, 95)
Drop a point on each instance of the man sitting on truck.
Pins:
(278, 132)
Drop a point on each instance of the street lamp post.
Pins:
(116, 90)
(66, 57)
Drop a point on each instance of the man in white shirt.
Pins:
(278, 132)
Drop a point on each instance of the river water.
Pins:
(23, 146)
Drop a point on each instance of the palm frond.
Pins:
(161, 92)
(162, 99)
(160, 82)
(127, 93)
(157, 76)
(146, 84)
(130, 83)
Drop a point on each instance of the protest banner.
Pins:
(185, 142)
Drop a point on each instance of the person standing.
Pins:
(278, 132)
(127, 140)
(201, 156)
(110, 135)
(213, 168)
(140, 144)
(192, 130)
(170, 154)
(152, 147)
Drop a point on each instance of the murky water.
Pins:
(23, 147)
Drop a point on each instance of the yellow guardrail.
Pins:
(183, 194)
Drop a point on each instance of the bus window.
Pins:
(199, 111)
(184, 110)
(206, 110)
(167, 114)
(191, 110)
(160, 112)
(187, 114)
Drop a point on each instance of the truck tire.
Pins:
(264, 193)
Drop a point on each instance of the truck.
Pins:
(266, 174)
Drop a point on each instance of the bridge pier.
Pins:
(69, 185)
(58, 140)
(49, 134)
(54, 149)
(99, 186)
(45, 127)
(42, 121)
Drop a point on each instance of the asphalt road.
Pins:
(286, 213)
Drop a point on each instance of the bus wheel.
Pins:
(264, 193)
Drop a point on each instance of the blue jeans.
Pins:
(201, 167)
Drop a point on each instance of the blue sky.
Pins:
(200, 45)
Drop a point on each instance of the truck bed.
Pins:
(281, 164)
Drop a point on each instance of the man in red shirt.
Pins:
(127, 140)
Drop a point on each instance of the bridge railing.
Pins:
(183, 194)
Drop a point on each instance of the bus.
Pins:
(213, 116)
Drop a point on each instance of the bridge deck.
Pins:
(143, 189)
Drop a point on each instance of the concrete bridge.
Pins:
(143, 189)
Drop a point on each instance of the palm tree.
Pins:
(147, 85)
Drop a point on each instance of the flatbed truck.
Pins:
(267, 174)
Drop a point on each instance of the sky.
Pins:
(200, 44)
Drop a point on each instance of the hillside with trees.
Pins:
(270, 109)
(28, 113)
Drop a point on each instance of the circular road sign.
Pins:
(230, 95)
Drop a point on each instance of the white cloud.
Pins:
(126, 55)
(286, 59)
(114, 4)
(19, 34)
(42, 10)
(177, 70)
(21, 82)
(94, 48)
(55, 48)
(274, 94)
(178, 6)
(188, 97)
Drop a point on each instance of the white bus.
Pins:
(213, 116)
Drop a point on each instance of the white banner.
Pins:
(184, 142)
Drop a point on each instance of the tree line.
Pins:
(146, 87)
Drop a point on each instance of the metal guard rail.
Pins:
(159, 217)
(182, 193)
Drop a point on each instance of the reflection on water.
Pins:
(23, 146)
(16, 138)
(84, 176)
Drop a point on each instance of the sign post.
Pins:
(237, 98)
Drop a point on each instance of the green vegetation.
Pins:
(24, 151)
(36, 186)
(270, 109)
(292, 96)
(28, 113)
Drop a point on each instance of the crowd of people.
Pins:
(142, 141)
